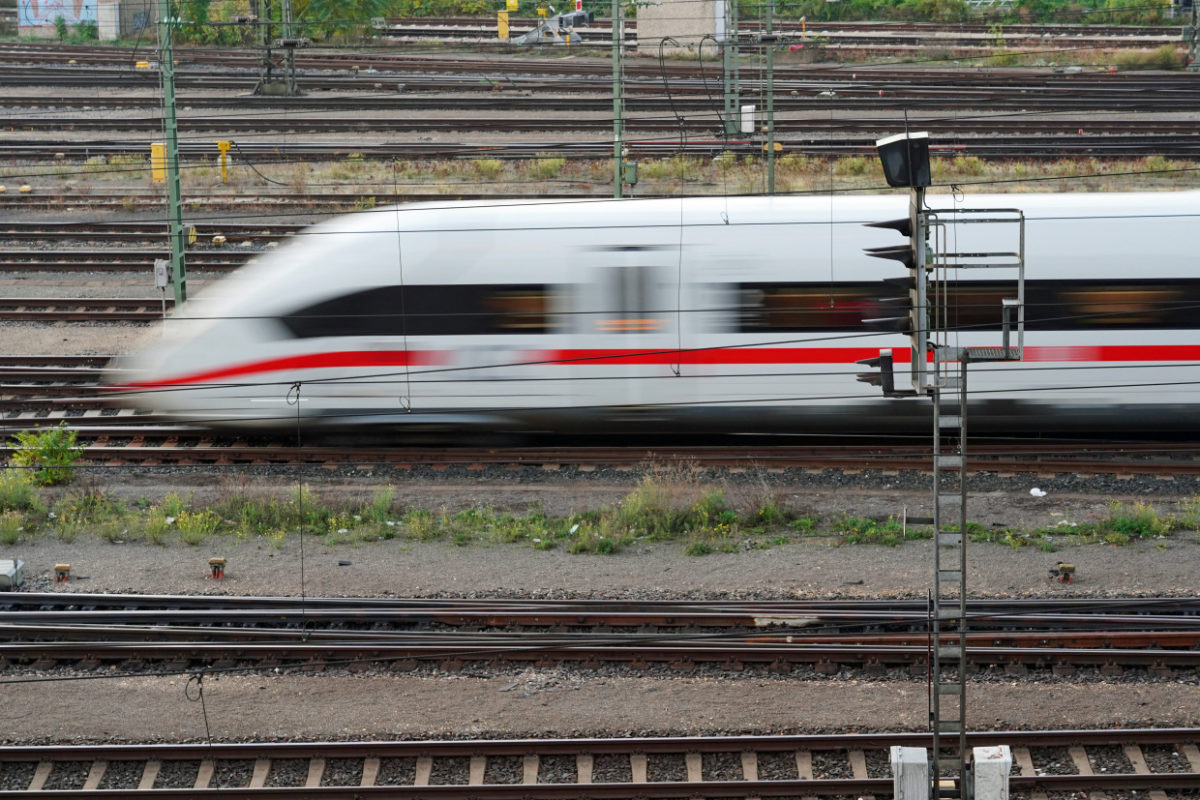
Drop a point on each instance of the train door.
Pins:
(626, 351)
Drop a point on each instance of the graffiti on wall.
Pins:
(44, 12)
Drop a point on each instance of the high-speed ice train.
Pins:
(700, 314)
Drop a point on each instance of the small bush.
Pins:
(488, 168)
(380, 507)
(698, 548)
(1139, 521)
(545, 168)
(87, 30)
(19, 492)
(853, 166)
(196, 526)
(1166, 57)
(1189, 514)
(803, 524)
(50, 452)
(12, 526)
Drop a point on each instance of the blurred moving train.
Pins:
(699, 314)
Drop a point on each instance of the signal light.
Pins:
(885, 378)
(899, 252)
(903, 225)
(905, 159)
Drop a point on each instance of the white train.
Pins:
(700, 314)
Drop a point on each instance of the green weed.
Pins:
(1139, 521)
(196, 526)
(19, 492)
(12, 526)
(49, 452)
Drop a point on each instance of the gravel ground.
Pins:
(486, 702)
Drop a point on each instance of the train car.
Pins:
(700, 314)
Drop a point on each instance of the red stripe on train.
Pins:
(382, 359)
(391, 359)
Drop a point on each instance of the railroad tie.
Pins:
(262, 768)
(370, 771)
(530, 765)
(204, 774)
(1084, 767)
(40, 775)
(1025, 762)
(583, 767)
(478, 767)
(149, 774)
(638, 765)
(804, 770)
(316, 771)
(1134, 753)
(695, 767)
(1192, 755)
(95, 775)
(424, 770)
(858, 766)
(749, 765)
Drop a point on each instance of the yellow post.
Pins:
(158, 162)
(502, 24)
(224, 148)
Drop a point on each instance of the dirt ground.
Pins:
(503, 701)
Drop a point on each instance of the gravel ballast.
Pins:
(559, 701)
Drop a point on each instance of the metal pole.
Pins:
(289, 50)
(729, 65)
(770, 42)
(618, 34)
(1193, 36)
(166, 62)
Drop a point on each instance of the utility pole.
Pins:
(768, 40)
(166, 61)
(1192, 33)
(618, 36)
(729, 64)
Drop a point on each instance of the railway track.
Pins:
(135, 633)
(1138, 760)
(664, 143)
(855, 132)
(106, 309)
(289, 203)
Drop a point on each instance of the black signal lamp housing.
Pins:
(905, 159)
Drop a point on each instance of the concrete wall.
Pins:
(686, 21)
(114, 18)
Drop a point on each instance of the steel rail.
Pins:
(684, 655)
(851, 130)
(148, 443)
(110, 309)
(1048, 146)
(1132, 606)
(117, 260)
(201, 760)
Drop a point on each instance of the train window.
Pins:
(766, 307)
(469, 310)
(1107, 306)
(1049, 305)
